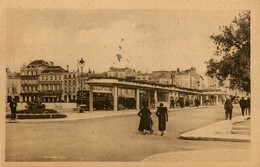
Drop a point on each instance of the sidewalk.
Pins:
(73, 116)
(222, 131)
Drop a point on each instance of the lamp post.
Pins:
(82, 64)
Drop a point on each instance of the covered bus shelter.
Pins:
(161, 94)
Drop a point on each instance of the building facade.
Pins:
(13, 86)
(29, 75)
(123, 73)
(70, 86)
(51, 84)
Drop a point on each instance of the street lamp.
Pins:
(82, 64)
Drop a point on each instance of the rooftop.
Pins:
(54, 69)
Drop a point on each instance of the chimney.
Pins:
(51, 63)
(178, 70)
(67, 67)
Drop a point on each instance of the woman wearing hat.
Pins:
(162, 118)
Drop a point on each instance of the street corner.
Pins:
(226, 130)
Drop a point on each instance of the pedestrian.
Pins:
(162, 118)
(13, 105)
(243, 105)
(228, 108)
(172, 103)
(144, 124)
(248, 106)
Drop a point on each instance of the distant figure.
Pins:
(248, 106)
(13, 106)
(228, 107)
(144, 124)
(162, 118)
(172, 103)
(243, 105)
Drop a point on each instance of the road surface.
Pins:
(110, 139)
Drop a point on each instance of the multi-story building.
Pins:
(125, 73)
(70, 86)
(51, 84)
(13, 86)
(188, 79)
(29, 79)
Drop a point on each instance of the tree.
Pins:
(233, 51)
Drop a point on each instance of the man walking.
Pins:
(228, 107)
(13, 106)
(243, 105)
(248, 106)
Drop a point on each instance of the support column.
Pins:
(217, 102)
(201, 100)
(155, 98)
(91, 98)
(169, 99)
(115, 98)
(149, 99)
(137, 91)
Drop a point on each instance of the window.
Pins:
(59, 77)
(65, 82)
(28, 89)
(69, 89)
(74, 90)
(46, 87)
(65, 76)
(65, 90)
(42, 78)
(55, 77)
(51, 77)
(74, 76)
(69, 76)
(47, 77)
(69, 82)
(8, 90)
(51, 87)
(74, 82)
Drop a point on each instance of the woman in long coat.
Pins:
(162, 118)
(144, 124)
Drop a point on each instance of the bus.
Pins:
(101, 100)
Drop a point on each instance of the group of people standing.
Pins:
(182, 102)
(244, 105)
(146, 121)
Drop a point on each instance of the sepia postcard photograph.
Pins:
(152, 85)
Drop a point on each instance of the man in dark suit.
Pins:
(248, 105)
(228, 107)
(13, 106)
(243, 105)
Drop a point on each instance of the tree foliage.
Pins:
(233, 51)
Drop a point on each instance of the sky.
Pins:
(147, 40)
